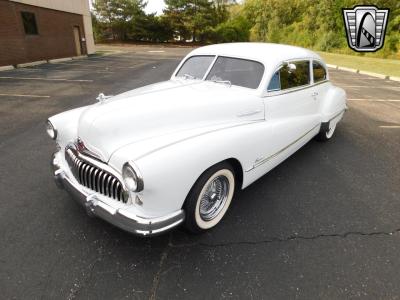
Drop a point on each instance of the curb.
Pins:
(374, 74)
(79, 57)
(56, 60)
(31, 64)
(6, 68)
(377, 75)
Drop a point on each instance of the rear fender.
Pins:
(333, 104)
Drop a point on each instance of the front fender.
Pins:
(66, 124)
(170, 172)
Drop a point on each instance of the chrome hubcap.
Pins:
(214, 198)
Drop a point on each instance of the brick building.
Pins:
(32, 30)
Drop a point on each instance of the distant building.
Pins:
(32, 30)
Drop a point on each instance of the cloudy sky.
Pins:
(154, 6)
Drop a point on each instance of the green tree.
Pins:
(121, 17)
(192, 19)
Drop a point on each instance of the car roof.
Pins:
(267, 53)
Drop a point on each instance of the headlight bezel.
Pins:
(51, 130)
(132, 177)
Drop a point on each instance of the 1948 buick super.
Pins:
(175, 151)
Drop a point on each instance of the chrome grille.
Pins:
(94, 177)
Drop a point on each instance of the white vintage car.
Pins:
(175, 152)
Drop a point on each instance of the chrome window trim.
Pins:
(287, 91)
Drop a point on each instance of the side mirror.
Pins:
(289, 67)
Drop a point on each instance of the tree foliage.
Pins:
(313, 24)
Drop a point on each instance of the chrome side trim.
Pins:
(262, 160)
(287, 91)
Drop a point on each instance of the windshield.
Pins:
(236, 71)
(195, 67)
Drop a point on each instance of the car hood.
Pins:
(160, 109)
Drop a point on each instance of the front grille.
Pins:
(94, 177)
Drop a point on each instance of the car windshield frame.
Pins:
(215, 56)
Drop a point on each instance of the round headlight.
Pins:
(132, 178)
(51, 131)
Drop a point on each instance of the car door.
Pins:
(290, 109)
(320, 80)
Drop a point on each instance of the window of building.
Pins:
(319, 72)
(29, 21)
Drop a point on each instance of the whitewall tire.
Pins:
(210, 198)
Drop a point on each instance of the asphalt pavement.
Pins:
(322, 225)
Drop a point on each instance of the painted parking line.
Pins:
(368, 86)
(374, 100)
(102, 67)
(156, 51)
(46, 79)
(390, 126)
(20, 95)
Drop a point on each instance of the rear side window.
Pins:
(195, 67)
(293, 75)
(319, 72)
(237, 71)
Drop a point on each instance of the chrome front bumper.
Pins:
(119, 217)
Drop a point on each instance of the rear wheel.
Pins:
(210, 198)
(326, 132)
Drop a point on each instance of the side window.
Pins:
(275, 83)
(319, 72)
(293, 75)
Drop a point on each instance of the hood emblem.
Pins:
(80, 146)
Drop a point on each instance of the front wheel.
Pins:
(210, 198)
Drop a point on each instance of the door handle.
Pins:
(314, 94)
(248, 113)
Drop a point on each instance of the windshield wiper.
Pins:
(228, 82)
(188, 76)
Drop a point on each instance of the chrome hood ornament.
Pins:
(102, 98)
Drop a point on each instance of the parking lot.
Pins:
(324, 224)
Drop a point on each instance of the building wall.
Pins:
(55, 38)
(80, 7)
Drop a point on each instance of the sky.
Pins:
(154, 6)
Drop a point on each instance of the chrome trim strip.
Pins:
(287, 91)
(262, 160)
